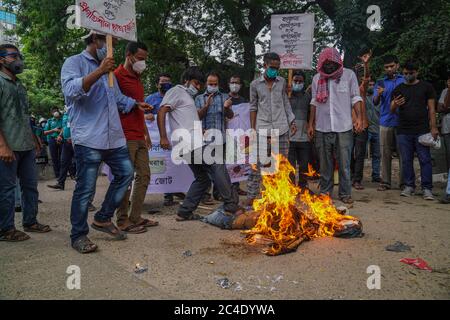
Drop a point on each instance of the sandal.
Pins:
(37, 228)
(192, 217)
(110, 229)
(383, 187)
(83, 245)
(146, 223)
(134, 229)
(358, 186)
(13, 235)
(347, 200)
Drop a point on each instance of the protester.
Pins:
(335, 93)
(179, 104)
(300, 149)
(97, 136)
(361, 138)
(18, 149)
(52, 131)
(214, 108)
(164, 84)
(388, 120)
(270, 109)
(129, 215)
(373, 115)
(67, 155)
(444, 108)
(235, 85)
(415, 103)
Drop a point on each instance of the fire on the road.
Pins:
(290, 215)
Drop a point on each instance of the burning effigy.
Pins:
(286, 215)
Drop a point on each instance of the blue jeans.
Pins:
(374, 143)
(448, 184)
(23, 167)
(88, 161)
(66, 163)
(409, 144)
(18, 195)
(55, 153)
(220, 218)
(340, 144)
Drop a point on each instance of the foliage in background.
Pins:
(221, 35)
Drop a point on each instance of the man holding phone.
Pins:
(388, 120)
(415, 103)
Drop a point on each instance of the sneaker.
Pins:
(428, 195)
(446, 199)
(407, 192)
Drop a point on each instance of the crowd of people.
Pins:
(327, 125)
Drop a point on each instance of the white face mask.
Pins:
(213, 89)
(192, 90)
(140, 66)
(56, 115)
(235, 88)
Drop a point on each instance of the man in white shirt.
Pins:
(179, 104)
(335, 92)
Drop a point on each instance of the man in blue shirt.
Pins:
(97, 136)
(164, 84)
(67, 154)
(388, 121)
(213, 108)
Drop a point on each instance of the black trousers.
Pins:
(300, 155)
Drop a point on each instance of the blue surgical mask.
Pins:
(272, 73)
(297, 87)
(192, 90)
(212, 89)
(102, 53)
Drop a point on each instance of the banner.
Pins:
(241, 120)
(114, 17)
(292, 38)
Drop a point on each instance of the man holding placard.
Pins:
(97, 136)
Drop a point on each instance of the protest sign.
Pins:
(292, 38)
(115, 18)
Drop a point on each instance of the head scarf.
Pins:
(328, 54)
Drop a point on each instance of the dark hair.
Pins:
(4, 48)
(410, 65)
(90, 39)
(236, 76)
(193, 73)
(271, 56)
(133, 47)
(390, 58)
(165, 75)
(363, 51)
(299, 73)
(213, 74)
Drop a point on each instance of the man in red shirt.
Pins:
(129, 217)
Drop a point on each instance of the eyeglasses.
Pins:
(14, 55)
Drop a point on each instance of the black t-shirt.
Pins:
(413, 115)
(238, 100)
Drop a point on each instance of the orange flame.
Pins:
(289, 214)
(311, 172)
